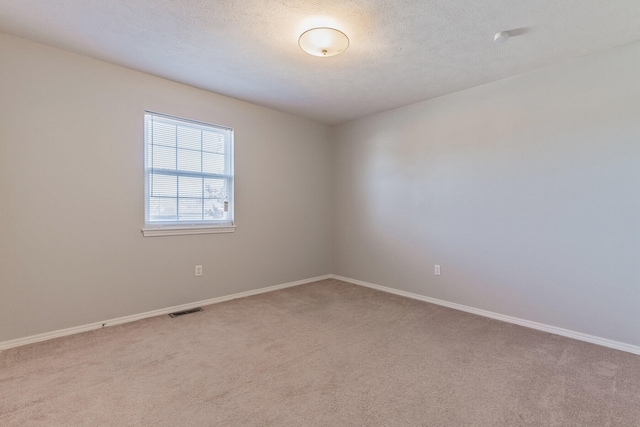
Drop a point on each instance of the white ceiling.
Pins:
(401, 51)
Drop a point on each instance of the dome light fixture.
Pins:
(323, 41)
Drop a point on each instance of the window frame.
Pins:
(173, 228)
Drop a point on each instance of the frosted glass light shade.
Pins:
(323, 41)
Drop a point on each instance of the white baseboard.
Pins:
(509, 319)
(126, 319)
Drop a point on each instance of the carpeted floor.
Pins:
(322, 354)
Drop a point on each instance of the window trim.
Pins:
(183, 230)
(158, 228)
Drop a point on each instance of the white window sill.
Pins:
(180, 230)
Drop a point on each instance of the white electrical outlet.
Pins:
(436, 270)
(198, 270)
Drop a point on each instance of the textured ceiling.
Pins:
(401, 51)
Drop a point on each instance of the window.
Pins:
(188, 176)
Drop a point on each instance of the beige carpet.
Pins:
(322, 354)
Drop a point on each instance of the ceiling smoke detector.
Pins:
(501, 37)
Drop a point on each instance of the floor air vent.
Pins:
(182, 313)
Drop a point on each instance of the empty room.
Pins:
(320, 213)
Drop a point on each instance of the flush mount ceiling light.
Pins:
(323, 41)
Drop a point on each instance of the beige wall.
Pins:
(526, 191)
(71, 195)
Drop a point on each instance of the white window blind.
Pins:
(188, 173)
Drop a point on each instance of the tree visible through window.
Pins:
(188, 172)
